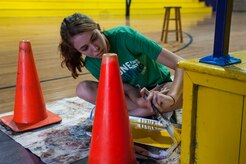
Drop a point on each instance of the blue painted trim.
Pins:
(222, 36)
(223, 23)
(221, 61)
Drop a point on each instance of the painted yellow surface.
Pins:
(151, 135)
(213, 127)
(236, 71)
(243, 137)
(41, 8)
(218, 126)
(188, 124)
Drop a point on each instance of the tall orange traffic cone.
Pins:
(30, 110)
(111, 140)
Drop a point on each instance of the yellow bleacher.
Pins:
(44, 8)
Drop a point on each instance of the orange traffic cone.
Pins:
(30, 110)
(111, 140)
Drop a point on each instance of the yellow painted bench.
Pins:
(214, 113)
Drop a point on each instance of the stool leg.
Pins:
(167, 24)
(164, 25)
(180, 27)
(176, 24)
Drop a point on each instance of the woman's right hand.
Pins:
(160, 99)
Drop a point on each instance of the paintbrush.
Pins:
(175, 135)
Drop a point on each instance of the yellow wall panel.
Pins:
(243, 138)
(188, 120)
(218, 126)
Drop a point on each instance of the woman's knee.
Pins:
(87, 90)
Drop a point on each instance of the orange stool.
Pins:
(177, 19)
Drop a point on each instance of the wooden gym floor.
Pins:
(57, 83)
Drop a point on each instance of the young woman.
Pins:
(143, 64)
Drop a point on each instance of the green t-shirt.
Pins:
(137, 58)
